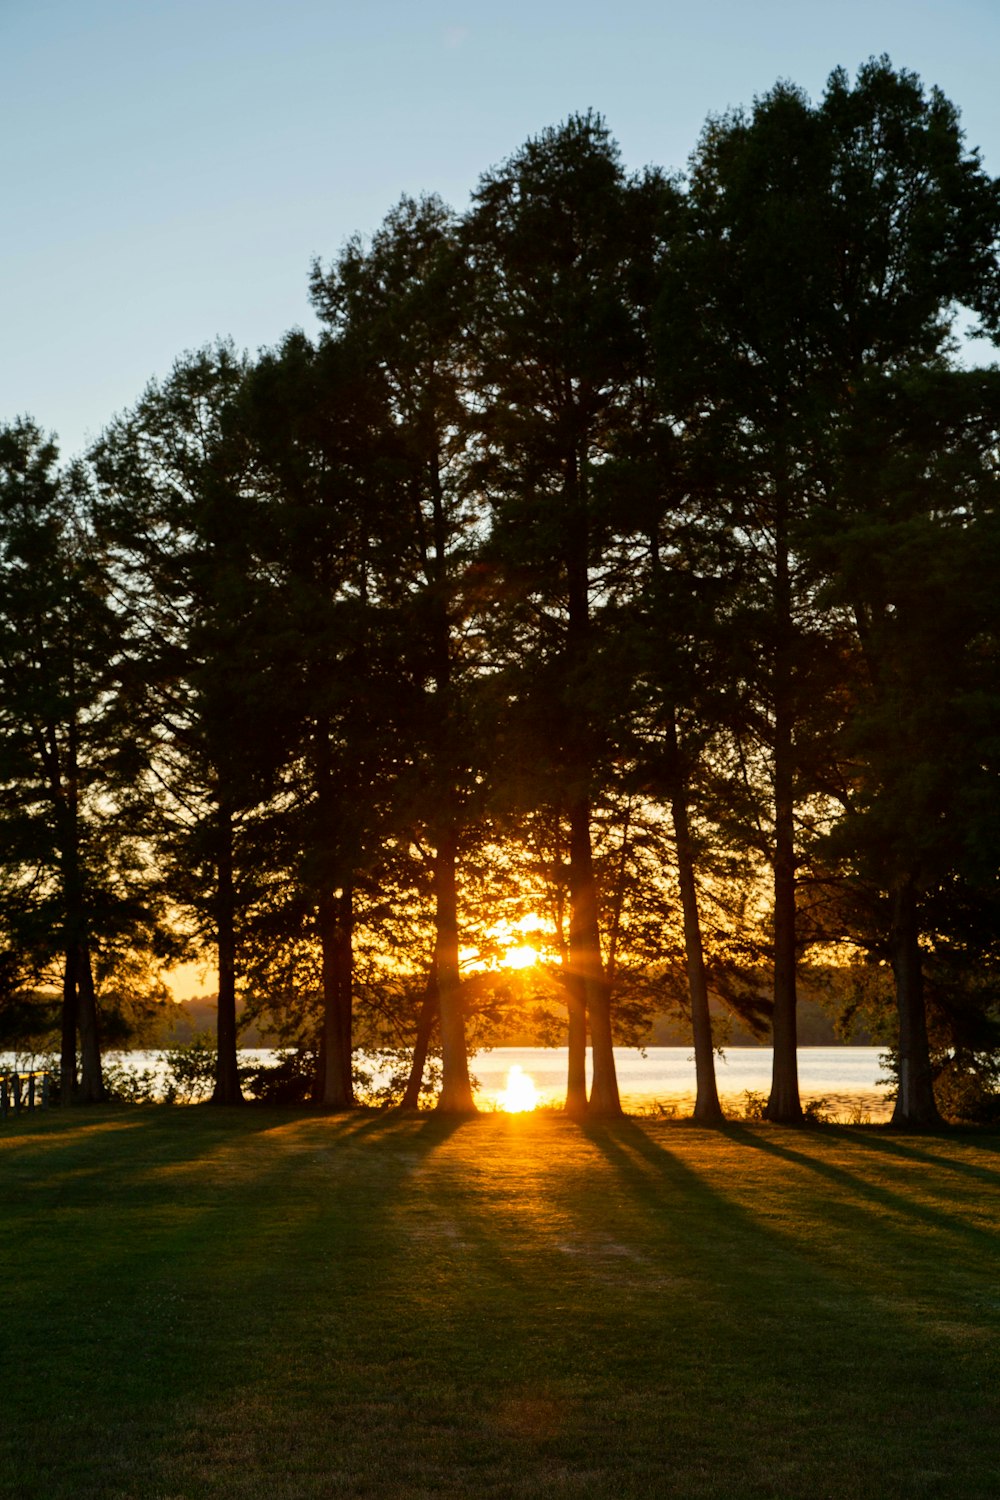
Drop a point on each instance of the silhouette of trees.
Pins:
(614, 524)
(823, 245)
(317, 425)
(177, 512)
(555, 346)
(399, 304)
(73, 872)
(910, 550)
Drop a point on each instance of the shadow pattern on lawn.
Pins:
(298, 1306)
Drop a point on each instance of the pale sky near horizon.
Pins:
(171, 169)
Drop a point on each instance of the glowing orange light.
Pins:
(520, 1095)
(521, 957)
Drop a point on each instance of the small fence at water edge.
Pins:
(28, 1090)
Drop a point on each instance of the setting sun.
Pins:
(521, 957)
(520, 1095)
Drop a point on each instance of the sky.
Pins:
(171, 168)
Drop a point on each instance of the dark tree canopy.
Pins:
(618, 560)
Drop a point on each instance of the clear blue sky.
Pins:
(172, 166)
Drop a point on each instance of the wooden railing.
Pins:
(28, 1090)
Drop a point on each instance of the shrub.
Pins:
(754, 1105)
(124, 1084)
(968, 1089)
(190, 1070)
(290, 1080)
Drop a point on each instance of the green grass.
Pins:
(201, 1303)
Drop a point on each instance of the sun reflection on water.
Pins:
(520, 1095)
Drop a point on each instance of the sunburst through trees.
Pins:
(594, 620)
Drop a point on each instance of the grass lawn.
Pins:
(203, 1303)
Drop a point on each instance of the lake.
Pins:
(846, 1077)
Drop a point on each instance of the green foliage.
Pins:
(379, 1077)
(380, 1081)
(124, 1084)
(75, 885)
(967, 1088)
(617, 550)
(966, 1083)
(27, 1017)
(754, 1105)
(191, 1069)
(289, 1080)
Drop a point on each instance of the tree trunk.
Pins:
(576, 1003)
(456, 1089)
(916, 1107)
(586, 968)
(67, 1059)
(64, 784)
(421, 1044)
(576, 999)
(336, 926)
(707, 1109)
(585, 962)
(345, 953)
(227, 1078)
(576, 1072)
(91, 1075)
(784, 1105)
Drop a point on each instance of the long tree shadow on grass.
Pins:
(715, 1298)
(857, 1187)
(905, 1147)
(874, 1347)
(379, 1306)
(145, 1268)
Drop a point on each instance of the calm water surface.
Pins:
(847, 1078)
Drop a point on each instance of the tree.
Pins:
(910, 543)
(823, 244)
(554, 345)
(399, 306)
(73, 871)
(177, 509)
(318, 423)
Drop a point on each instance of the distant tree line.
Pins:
(621, 558)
